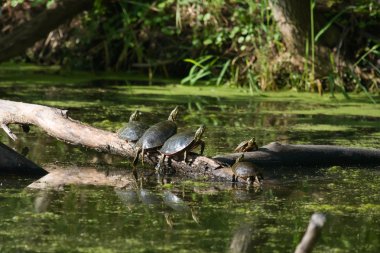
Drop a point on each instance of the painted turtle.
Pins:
(246, 170)
(156, 135)
(182, 143)
(247, 145)
(134, 129)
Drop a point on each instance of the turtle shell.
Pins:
(177, 143)
(132, 131)
(157, 134)
(245, 170)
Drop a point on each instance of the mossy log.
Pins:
(56, 123)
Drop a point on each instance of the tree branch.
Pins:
(9, 132)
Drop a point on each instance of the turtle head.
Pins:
(239, 158)
(134, 116)
(173, 114)
(198, 134)
(251, 141)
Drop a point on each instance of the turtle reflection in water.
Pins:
(134, 129)
(246, 170)
(182, 143)
(156, 135)
(247, 145)
(179, 206)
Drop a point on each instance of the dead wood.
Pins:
(278, 155)
(312, 233)
(56, 123)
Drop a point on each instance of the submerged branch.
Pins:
(57, 124)
(312, 233)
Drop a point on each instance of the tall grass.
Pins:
(312, 43)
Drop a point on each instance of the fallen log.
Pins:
(276, 154)
(58, 124)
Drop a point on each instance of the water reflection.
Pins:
(242, 240)
(42, 201)
(127, 196)
(193, 216)
(158, 202)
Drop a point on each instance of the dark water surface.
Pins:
(207, 214)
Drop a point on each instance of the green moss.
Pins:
(319, 127)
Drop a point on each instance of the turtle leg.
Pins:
(135, 174)
(185, 156)
(142, 156)
(257, 180)
(202, 144)
(160, 163)
(136, 158)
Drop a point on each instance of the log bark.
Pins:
(26, 34)
(56, 123)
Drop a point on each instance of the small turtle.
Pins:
(134, 129)
(182, 143)
(246, 170)
(156, 135)
(247, 145)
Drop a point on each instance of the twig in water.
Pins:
(312, 233)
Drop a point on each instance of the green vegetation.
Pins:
(217, 42)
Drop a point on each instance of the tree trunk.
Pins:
(294, 20)
(26, 34)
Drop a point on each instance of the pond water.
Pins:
(208, 214)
